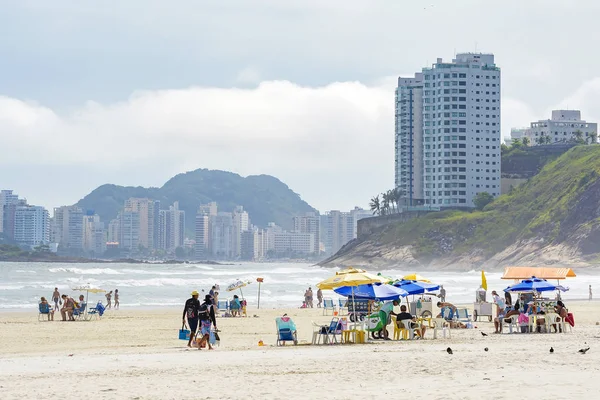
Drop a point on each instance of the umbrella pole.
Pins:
(258, 307)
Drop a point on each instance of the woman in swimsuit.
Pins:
(116, 299)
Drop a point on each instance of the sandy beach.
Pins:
(136, 355)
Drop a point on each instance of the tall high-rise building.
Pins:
(338, 228)
(156, 233)
(448, 132)
(68, 227)
(241, 223)
(31, 226)
(309, 223)
(202, 230)
(145, 208)
(222, 235)
(7, 197)
(171, 228)
(129, 230)
(114, 230)
(94, 235)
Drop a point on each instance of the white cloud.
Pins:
(332, 144)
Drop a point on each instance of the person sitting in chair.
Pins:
(403, 316)
(45, 306)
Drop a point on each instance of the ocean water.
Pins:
(159, 285)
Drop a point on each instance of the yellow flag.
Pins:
(483, 280)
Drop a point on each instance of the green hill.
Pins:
(265, 198)
(552, 218)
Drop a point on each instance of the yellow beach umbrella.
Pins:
(349, 278)
(415, 277)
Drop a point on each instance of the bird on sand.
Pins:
(449, 350)
(551, 349)
(583, 351)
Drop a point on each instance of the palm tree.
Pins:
(593, 138)
(399, 194)
(392, 194)
(375, 205)
(526, 141)
(548, 140)
(385, 204)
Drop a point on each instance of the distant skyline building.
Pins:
(339, 228)
(68, 229)
(171, 228)
(241, 224)
(129, 230)
(114, 230)
(7, 197)
(32, 226)
(145, 208)
(222, 235)
(560, 128)
(309, 223)
(448, 132)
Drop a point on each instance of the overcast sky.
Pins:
(133, 92)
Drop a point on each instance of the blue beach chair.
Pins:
(328, 306)
(79, 313)
(286, 331)
(44, 310)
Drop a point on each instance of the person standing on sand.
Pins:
(211, 293)
(442, 294)
(590, 292)
(310, 297)
(319, 298)
(206, 315)
(108, 300)
(116, 299)
(57, 301)
(190, 310)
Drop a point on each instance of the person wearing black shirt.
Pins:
(191, 309)
(403, 316)
(207, 318)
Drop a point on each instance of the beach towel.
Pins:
(570, 319)
(523, 319)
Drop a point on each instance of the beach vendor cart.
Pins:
(481, 308)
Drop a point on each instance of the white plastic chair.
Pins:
(408, 327)
(512, 321)
(443, 325)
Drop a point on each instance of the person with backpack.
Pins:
(206, 314)
(191, 311)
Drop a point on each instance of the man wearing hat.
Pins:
(191, 308)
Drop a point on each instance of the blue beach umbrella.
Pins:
(535, 285)
(416, 287)
(377, 291)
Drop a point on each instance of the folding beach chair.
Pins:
(44, 310)
(462, 315)
(223, 305)
(79, 313)
(328, 306)
(286, 331)
(96, 312)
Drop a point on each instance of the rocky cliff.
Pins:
(553, 218)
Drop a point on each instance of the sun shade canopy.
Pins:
(538, 272)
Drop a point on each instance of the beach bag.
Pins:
(184, 334)
(212, 338)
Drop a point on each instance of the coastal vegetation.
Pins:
(558, 206)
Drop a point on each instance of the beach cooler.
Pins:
(184, 334)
